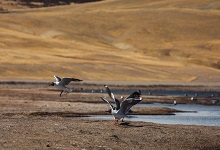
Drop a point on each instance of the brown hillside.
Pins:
(130, 40)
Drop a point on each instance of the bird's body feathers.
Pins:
(121, 110)
(62, 83)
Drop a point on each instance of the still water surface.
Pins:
(197, 115)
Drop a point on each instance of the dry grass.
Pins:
(132, 40)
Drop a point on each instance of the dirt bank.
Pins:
(33, 117)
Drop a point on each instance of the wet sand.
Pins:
(35, 117)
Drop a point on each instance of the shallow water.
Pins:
(183, 107)
(201, 115)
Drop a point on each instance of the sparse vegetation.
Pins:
(2, 10)
(139, 41)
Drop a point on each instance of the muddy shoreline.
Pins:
(33, 116)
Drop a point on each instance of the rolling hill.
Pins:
(116, 40)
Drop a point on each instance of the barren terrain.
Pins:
(127, 44)
(33, 116)
(132, 40)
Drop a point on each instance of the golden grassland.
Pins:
(124, 40)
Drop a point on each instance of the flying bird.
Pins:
(122, 108)
(62, 83)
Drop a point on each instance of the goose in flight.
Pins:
(122, 108)
(61, 83)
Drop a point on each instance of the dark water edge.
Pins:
(154, 89)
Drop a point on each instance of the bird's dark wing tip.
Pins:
(102, 99)
(74, 79)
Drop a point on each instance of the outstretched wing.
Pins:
(66, 81)
(105, 100)
(136, 94)
(113, 97)
(130, 101)
(58, 79)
